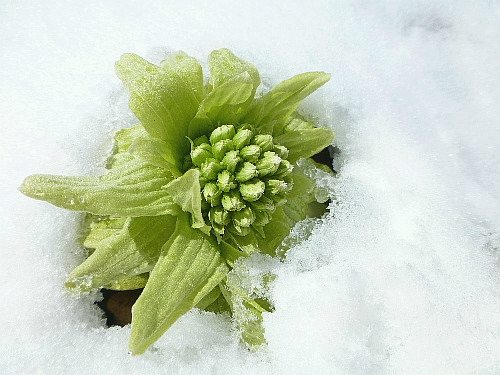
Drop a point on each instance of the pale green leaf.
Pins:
(164, 99)
(225, 104)
(132, 189)
(188, 69)
(247, 244)
(230, 253)
(272, 110)
(131, 251)
(224, 65)
(129, 282)
(189, 267)
(185, 191)
(219, 306)
(123, 139)
(303, 139)
(246, 312)
(156, 152)
(99, 228)
(209, 298)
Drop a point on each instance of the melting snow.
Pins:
(403, 276)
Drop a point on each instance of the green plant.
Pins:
(206, 178)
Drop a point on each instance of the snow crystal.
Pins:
(400, 278)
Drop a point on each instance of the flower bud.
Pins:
(264, 141)
(281, 151)
(242, 138)
(250, 153)
(230, 160)
(201, 153)
(244, 218)
(232, 201)
(252, 190)
(220, 148)
(212, 194)
(268, 164)
(246, 172)
(219, 216)
(225, 181)
(277, 186)
(222, 132)
(209, 169)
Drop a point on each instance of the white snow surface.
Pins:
(401, 278)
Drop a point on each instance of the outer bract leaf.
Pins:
(131, 251)
(247, 313)
(224, 65)
(209, 298)
(220, 305)
(188, 69)
(188, 269)
(230, 253)
(163, 98)
(304, 143)
(99, 228)
(123, 140)
(156, 152)
(271, 111)
(129, 283)
(186, 192)
(225, 104)
(132, 189)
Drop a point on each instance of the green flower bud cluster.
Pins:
(244, 176)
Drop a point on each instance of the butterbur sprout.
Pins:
(205, 178)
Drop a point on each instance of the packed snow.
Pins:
(402, 277)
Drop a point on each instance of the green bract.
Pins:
(206, 178)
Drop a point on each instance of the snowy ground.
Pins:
(403, 278)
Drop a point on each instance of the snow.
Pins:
(403, 276)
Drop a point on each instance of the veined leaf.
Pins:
(230, 253)
(220, 305)
(189, 267)
(131, 251)
(224, 65)
(247, 313)
(123, 140)
(225, 104)
(163, 98)
(303, 139)
(186, 192)
(248, 245)
(156, 152)
(99, 228)
(271, 111)
(129, 282)
(132, 189)
(209, 298)
(188, 70)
